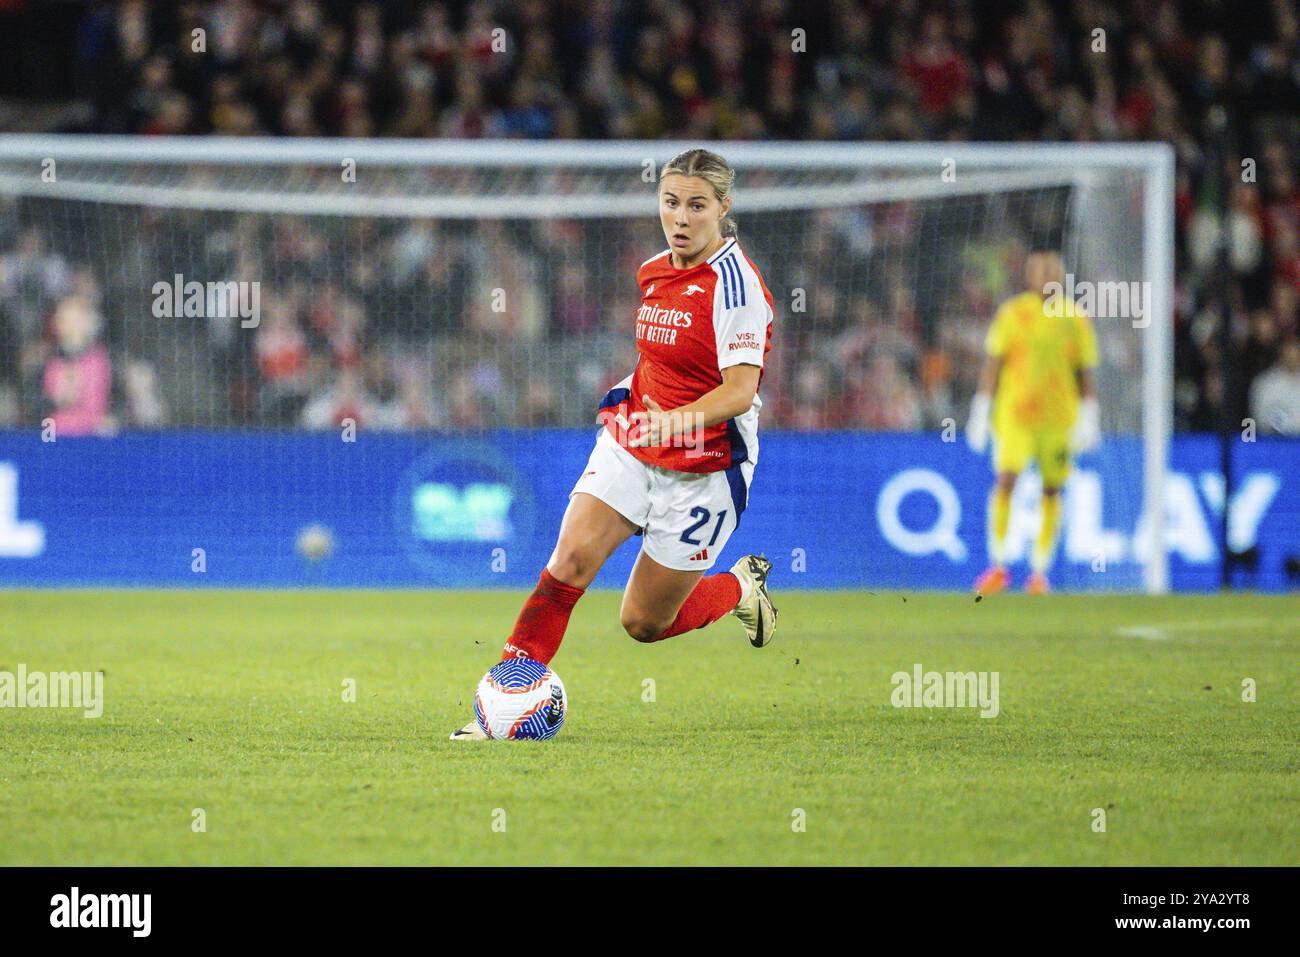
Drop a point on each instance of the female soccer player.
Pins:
(677, 452)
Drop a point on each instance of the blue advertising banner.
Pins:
(835, 510)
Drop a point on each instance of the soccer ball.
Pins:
(520, 698)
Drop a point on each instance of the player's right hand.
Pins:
(977, 426)
(655, 426)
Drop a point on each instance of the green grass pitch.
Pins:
(232, 702)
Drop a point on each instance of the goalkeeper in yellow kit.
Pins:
(1037, 388)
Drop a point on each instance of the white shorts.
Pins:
(686, 517)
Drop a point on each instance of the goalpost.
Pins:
(490, 283)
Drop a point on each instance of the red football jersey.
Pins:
(692, 324)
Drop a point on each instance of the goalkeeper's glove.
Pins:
(1086, 434)
(977, 426)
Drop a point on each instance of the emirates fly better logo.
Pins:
(659, 325)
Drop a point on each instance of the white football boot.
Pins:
(471, 732)
(755, 610)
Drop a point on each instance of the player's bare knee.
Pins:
(640, 627)
(572, 567)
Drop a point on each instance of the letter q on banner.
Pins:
(940, 536)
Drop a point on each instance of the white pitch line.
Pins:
(1149, 632)
(1157, 632)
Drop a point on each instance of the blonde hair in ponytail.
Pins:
(711, 168)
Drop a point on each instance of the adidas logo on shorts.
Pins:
(700, 556)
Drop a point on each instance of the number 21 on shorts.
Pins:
(702, 514)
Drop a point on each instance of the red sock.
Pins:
(712, 597)
(539, 629)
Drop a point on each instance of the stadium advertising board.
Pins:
(186, 509)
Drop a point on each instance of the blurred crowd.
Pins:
(347, 328)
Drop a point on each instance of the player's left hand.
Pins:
(1086, 434)
(656, 425)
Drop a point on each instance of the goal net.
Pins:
(263, 329)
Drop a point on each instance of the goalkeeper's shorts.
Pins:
(1013, 447)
